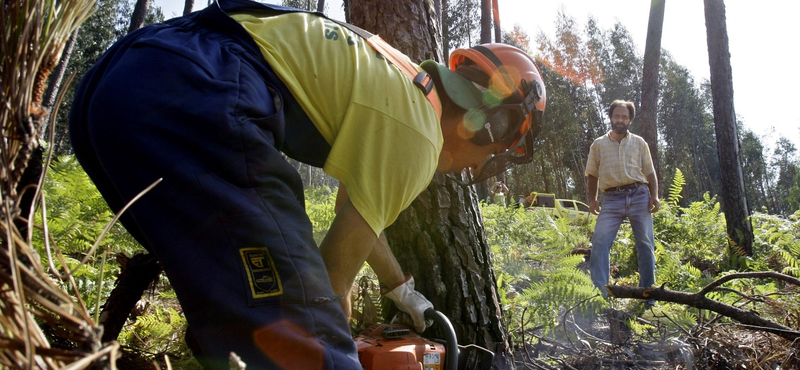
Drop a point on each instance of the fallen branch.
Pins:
(700, 301)
(749, 275)
(637, 363)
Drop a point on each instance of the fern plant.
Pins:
(160, 330)
(688, 240)
(76, 214)
(320, 203)
(777, 243)
(676, 188)
(539, 278)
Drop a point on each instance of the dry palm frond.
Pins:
(34, 35)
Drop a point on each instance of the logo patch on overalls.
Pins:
(261, 273)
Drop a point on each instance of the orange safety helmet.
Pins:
(503, 93)
(507, 75)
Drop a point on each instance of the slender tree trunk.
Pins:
(136, 274)
(652, 55)
(498, 37)
(321, 6)
(34, 168)
(486, 21)
(439, 239)
(139, 15)
(437, 6)
(445, 31)
(482, 190)
(188, 5)
(734, 201)
(54, 83)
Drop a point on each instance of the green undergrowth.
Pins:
(539, 262)
(543, 276)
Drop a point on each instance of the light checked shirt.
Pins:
(618, 163)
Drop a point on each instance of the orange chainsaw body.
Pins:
(395, 347)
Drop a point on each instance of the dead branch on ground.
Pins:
(699, 300)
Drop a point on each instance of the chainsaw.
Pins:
(397, 347)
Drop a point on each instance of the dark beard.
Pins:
(620, 129)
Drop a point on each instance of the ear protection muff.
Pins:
(492, 125)
(501, 122)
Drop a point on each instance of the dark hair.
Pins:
(622, 103)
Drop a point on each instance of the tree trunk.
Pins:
(400, 23)
(486, 21)
(439, 239)
(734, 201)
(321, 6)
(498, 36)
(139, 15)
(136, 274)
(188, 5)
(652, 55)
(54, 83)
(445, 32)
(437, 6)
(34, 168)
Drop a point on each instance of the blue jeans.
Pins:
(634, 205)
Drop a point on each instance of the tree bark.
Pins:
(486, 21)
(400, 23)
(139, 15)
(54, 83)
(445, 31)
(321, 6)
(498, 33)
(437, 6)
(734, 199)
(188, 5)
(652, 56)
(439, 239)
(137, 273)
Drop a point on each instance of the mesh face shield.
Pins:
(513, 118)
(520, 153)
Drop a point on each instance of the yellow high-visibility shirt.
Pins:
(385, 137)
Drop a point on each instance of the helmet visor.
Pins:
(520, 153)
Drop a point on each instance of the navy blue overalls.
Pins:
(191, 101)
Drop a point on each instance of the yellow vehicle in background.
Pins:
(563, 208)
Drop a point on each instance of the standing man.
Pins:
(620, 166)
(209, 103)
(499, 193)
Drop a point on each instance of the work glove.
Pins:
(412, 304)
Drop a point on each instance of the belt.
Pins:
(624, 187)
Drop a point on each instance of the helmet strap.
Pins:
(473, 73)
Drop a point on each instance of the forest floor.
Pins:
(638, 338)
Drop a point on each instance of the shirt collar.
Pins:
(627, 135)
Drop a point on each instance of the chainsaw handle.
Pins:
(451, 342)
